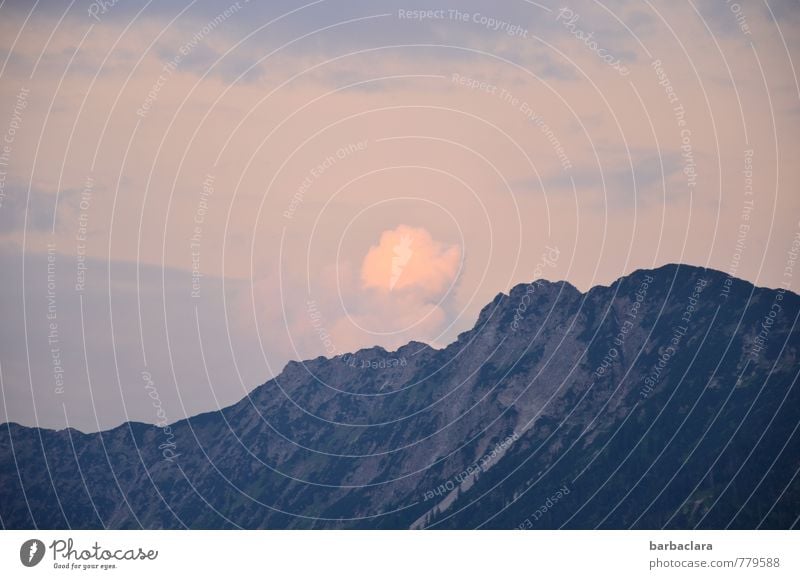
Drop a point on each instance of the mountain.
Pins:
(666, 400)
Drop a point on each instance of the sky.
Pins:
(194, 193)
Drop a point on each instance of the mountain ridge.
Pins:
(423, 442)
(516, 289)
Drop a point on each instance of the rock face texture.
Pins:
(667, 400)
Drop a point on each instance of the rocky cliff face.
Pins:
(668, 399)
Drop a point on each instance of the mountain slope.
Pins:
(668, 399)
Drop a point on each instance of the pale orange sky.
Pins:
(298, 146)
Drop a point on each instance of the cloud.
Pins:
(408, 258)
(336, 315)
(398, 292)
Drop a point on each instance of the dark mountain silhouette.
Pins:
(668, 399)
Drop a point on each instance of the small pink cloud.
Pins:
(408, 258)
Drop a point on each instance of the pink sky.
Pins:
(397, 173)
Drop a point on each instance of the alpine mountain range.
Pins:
(668, 399)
